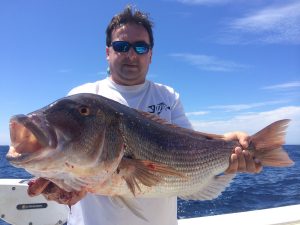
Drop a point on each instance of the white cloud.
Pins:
(205, 2)
(181, 14)
(199, 113)
(275, 24)
(250, 123)
(239, 107)
(4, 138)
(284, 86)
(102, 73)
(64, 70)
(209, 63)
(152, 75)
(253, 122)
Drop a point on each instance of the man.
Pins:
(129, 42)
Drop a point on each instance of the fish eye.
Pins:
(84, 111)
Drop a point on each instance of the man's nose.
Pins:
(131, 53)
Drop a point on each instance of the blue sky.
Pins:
(235, 63)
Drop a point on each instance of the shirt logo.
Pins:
(157, 109)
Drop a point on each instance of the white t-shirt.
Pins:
(149, 97)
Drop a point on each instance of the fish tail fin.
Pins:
(267, 145)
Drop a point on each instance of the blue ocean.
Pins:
(273, 187)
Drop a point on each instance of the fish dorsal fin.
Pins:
(212, 189)
(190, 132)
(156, 118)
(146, 172)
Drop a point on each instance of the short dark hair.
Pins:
(130, 15)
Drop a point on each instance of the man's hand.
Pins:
(52, 192)
(241, 160)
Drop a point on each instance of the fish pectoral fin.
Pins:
(146, 172)
(212, 189)
(129, 203)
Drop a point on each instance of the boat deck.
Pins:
(286, 215)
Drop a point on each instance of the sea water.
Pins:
(273, 187)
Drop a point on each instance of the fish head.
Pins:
(70, 131)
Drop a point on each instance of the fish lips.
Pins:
(29, 134)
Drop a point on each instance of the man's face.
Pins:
(129, 68)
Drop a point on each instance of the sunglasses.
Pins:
(140, 47)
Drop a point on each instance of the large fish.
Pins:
(88, 143)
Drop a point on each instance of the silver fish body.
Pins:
(91, 143)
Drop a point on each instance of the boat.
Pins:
(17, 208)
(285, 215)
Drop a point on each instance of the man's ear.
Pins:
(150, 56)
(107, 52)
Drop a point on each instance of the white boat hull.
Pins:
(17, 208)
(286, 215)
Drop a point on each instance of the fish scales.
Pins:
(88, 143)
(151, 140)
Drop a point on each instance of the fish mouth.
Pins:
(29, 135)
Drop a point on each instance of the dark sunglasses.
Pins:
(140, 47)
